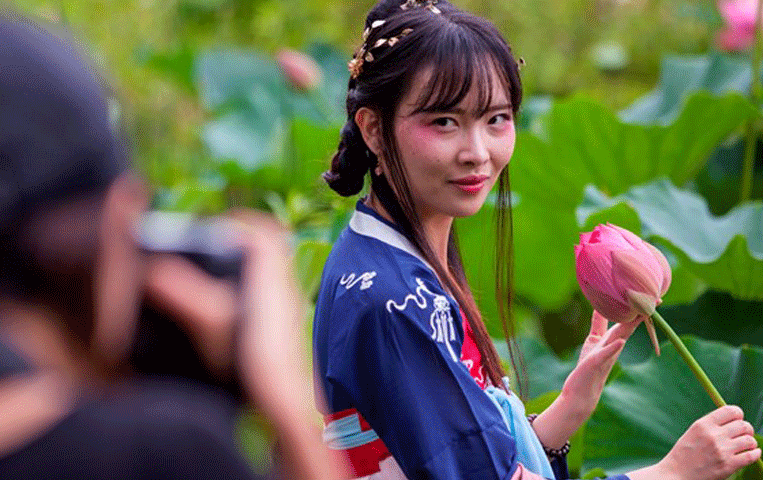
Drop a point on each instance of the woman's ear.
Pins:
(369, 123)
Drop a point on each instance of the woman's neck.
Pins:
(436, 228)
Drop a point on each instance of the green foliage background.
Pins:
(630, 117)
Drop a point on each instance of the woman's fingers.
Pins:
(742, 443)
(598, 324)
(604, 358)
(737, 428)
(725, 414)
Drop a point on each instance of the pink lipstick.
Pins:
(471, 184)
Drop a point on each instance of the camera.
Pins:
(161, 347)
(207, 242)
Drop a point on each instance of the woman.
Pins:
(414, 385)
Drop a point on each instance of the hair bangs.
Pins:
(459, 61)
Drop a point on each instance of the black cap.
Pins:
(56, 140)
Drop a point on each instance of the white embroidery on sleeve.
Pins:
(349, 281)
(441, 320)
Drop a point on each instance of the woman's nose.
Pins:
(474, 149)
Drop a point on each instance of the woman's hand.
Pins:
(598, 355)
(583, 387)
(714, 447)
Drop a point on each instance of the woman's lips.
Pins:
(471, 184)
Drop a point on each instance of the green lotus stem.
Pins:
(756, 94)
(697, 370)
(689, 359)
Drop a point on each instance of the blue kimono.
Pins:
(387, 344)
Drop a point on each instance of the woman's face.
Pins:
(453, 158)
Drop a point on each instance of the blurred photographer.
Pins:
(73, 282)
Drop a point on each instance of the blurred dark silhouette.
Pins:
(74, 282)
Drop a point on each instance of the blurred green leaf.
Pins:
(546, 370)
(681, 76)
(313, 147)
(533, 113)
(718, 316)
(233, 74)
(685, 288)
(610, 56)
(311, 255)
(644, 410)
(201, 197)
(587, 144)
(333, 90)
(244, 135)
(176, 64)
(590, 214)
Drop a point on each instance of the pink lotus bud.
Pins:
(300, 69)
(739, 32)
(621, 275)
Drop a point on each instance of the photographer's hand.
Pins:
(268, 348)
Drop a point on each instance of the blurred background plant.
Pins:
(645, 113)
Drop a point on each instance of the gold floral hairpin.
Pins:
(364, 53)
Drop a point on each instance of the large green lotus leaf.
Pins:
(683, 75)
(546, 371)
(724, 252)
(543, 256)
(587, 144)
(333, 90)
(249, 137)
(476, 239)
(648, 406)
(223, 76)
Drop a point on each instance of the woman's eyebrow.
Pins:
(461, 111)
(503, 106)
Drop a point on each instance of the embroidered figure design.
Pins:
(441, 320)
(365, 279)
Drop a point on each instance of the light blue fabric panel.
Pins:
(529, 449)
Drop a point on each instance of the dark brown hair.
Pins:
(463, 51)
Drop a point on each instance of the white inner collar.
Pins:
(369, 226)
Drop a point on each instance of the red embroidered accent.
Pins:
(470, 354)
(364, 459)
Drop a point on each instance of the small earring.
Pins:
(378, 170)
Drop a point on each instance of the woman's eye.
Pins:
(500, 119)
(445, 122)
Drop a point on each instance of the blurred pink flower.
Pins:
(299, 69)
(739, 32)
(621, 275)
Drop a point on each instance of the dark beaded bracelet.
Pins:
(551, 452)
